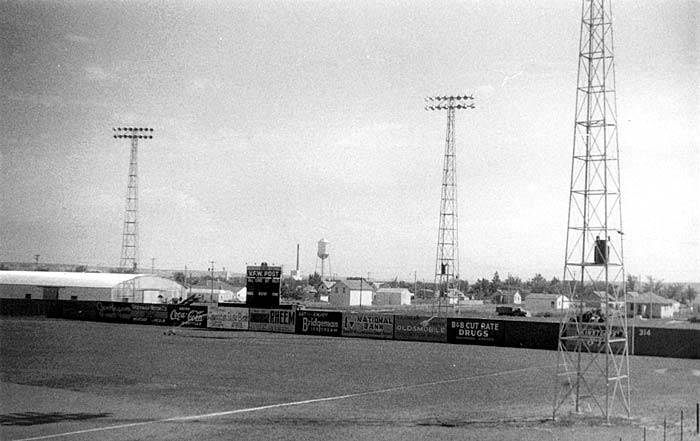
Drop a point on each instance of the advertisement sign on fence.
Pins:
(273, 320)
(114, 312)
(318, 323)
(475, 331)
(75, 310)
(187, 316)
(592, 336)
(227, 318)
(149, 314)
(420, 328)
(368, 325)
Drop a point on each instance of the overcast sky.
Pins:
(281, 123)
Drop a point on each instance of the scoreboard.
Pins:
(263, 286)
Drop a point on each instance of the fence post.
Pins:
(681, 425)
(697, 418)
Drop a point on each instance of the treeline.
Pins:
(485, 288)
(481, 289)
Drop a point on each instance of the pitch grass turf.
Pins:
(130, 382)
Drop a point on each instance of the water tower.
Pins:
(323, 256)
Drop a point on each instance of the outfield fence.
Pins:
(516, 333)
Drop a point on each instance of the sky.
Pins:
(281, 123)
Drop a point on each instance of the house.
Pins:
(508, 297)
(455, 296)
(392, 296)
(695, 304)
(651, 305)
(546, 302)
(351, 292)
(602, 299)
(323, 289)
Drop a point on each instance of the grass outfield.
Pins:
(69, 380)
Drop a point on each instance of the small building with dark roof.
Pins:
(651, 305)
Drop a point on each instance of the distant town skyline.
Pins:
(281, 123)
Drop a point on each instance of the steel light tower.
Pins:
(593, 355)
(129, 254)
(447, 259)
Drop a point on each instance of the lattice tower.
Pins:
(593, 356)
(447, 258)
(129, 251)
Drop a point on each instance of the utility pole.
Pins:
(415, 284)
(447, 259)
(211, 269)
(593, 358)
(129, 253)
(360, 292)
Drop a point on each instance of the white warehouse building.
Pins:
(351, 293)
(136, 288)
(392, 296)
(546, 302)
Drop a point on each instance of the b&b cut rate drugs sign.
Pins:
(263, 286)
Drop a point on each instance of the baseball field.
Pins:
(73, 380)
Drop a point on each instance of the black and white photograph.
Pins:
(349, 220)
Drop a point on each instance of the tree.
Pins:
(513, 282)
(290, 292)
(462, 286)
(179, 277)
(652, 285)
(673, 291)
(496, 283)
(689, 294)
(315, 279)
(556, 287)
(537, 283)
(482, 288)
(632, 283)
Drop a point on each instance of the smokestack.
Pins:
(297, 257)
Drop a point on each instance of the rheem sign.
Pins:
(263, 286)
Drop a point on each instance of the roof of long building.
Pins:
(648, 297)
(357, 285)
(82, 280)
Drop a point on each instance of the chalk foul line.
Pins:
(280, 405)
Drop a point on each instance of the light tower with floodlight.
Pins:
(447, 258)
(129, 253)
